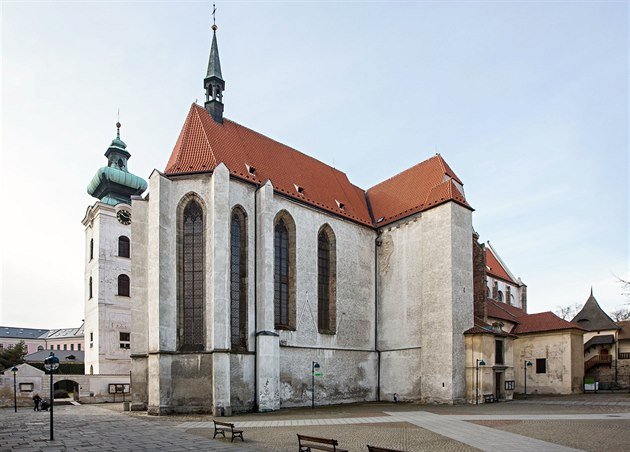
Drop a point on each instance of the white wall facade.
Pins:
(427, 282)
(106, 313)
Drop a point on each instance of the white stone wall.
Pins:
(106, 313)
(425, 304)
(515, 291)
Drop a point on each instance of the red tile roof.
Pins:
(419, 188)
(494, 267)
(503, 311)
(204, 143)
(543, 321)
(624, 332)
(527, 323)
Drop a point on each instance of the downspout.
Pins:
(377, 243)
(255, 406)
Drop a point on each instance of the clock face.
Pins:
(124, 216)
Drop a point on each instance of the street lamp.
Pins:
(14, 370)
(314, 365)
(480, 362)
(525, 366)
(51, 364)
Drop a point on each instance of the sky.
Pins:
(527, 102)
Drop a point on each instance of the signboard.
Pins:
(510, 385)
(118, 388)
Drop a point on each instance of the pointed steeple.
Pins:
(214, 65)
(214, 83)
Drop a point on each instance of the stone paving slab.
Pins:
(479, 436)
(90, 428)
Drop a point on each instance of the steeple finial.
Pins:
(214, 83)
(118, 130)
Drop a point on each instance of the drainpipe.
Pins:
(377, 243)
(255, 407)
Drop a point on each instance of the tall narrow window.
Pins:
(191, 276)
(238, 279)
(90, 288)
(284, 271)
(123, 246)
(323, 281)
(498, 351)
(326, 256)
(91, 249)
(123, 285)
(281, 274)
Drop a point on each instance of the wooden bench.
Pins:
(222, 427)
(381, 449)
(309, 443)
(489, 398)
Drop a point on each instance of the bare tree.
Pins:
(620, 314)
(568, 312)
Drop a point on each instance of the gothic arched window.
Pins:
(326, 279)
(191, 277)
(123, 285)
(284, 272)
(238, 279)
(123, 246)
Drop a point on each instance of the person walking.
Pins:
(36, 400)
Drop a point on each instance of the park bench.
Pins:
(381, 449)
(222, 427)
(489, 398)
(309, 443)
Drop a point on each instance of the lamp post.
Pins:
(526, 364)
(51, 364)
(14, 370)
(314, 365)
(480, 362)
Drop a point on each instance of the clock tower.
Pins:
(108, 242)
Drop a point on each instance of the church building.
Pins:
(253, 265)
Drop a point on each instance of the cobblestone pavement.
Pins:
(592, 422)
(92, 428)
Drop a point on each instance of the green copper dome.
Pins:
(113, 184)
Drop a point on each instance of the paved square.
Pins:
(592, 422)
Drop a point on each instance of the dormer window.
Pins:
(380, 220)
(299, 189)
(250, 169)
(341, 205)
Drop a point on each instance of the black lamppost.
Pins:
(51, 364)
(14, 370)
(480, 362)
(525, 366)
(314, 365)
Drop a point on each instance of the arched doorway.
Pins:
(66, 389)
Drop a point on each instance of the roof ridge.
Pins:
(402, 172)
(205, 137)
(283, 144)
(502, 263)
(183, 136)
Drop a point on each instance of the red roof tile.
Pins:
(494, 267)
(203, 144)
(503, 311)
(421, 187)
(543, 321)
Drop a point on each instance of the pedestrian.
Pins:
(36, 400)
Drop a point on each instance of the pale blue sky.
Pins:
(528, 103)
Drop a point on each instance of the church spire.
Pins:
(214, 83)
